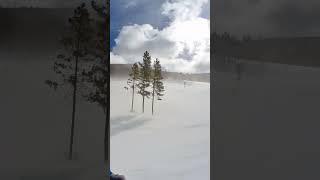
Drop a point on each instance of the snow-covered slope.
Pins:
(172, 144)
(35, 127)
(267, 124)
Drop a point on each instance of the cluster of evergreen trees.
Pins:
(83, 62)
(146, 79)
(225, 36)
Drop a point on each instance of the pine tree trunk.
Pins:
(73, 108)
(152, 97)
(107, 123)
(142, 104)
(132, 98)
(106, 135)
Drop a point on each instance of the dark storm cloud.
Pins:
(268, 17)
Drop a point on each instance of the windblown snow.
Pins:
(174, 143)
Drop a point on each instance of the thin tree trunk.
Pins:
(107, 123)
(152, 97)
(106, 136)
(142, 104)
(73, 108)
(132, 97)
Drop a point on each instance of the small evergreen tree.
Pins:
(132, 81)
(144, 77)
(75, 48)
(157, 84)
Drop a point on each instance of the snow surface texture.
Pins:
(35, 127)
(266, 124)
(172, 144)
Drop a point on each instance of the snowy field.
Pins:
(267, 124)
(35, 126)
(172, 144)
(266, 127)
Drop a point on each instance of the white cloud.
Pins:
(116, 59)
(182, 10)
(130, 4)
(184, 45)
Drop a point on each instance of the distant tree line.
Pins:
(146, 79)
(225, 44)
(228, 37)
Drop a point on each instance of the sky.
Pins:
(41, 3)
(268, 18)
(177, 32)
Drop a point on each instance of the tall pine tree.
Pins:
(132, 81)
(157, 84)
(75, 43)
(145, 77)
(98, 76)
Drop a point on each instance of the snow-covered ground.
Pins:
(35, 127)
(172, 144)
(266, 127)
(267, 124)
